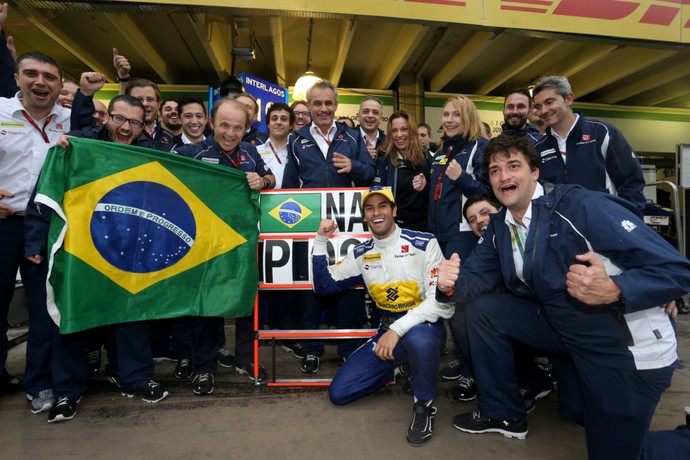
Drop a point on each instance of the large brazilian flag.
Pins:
(138, 234)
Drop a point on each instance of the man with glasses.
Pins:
(132, 342)
(302, 115)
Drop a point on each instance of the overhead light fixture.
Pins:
(306, 81)
(243, 40)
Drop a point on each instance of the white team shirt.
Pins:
(23, 148)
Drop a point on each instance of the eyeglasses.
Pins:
(120, 120)
(302, 114)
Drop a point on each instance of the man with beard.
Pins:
(132, 342)
(516, 109)
(170, 116)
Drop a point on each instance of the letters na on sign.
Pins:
(289, 220)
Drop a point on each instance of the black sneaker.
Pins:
(531, 396)
(248, 370)
(94, 362)
(184, 369)
(310, 364)
(225, 358)
(452, 372)
(152, 392)
(422, 427)
(64, 409)
(9, 383)
(115, 380)
(466, 389)
(202, 384)
(474, 422)
(295, 348)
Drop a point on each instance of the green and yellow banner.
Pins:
(138, 234)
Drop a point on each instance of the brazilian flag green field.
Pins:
(139, 234)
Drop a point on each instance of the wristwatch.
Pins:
(123, 79)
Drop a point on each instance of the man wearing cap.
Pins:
(398, 267)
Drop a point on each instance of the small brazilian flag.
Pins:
(138, 234)
(284, 212)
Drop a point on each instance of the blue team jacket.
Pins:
(571, 220)
(307, 167)
(597, 157)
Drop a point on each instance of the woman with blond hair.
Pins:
(403, 166)
(456, 175)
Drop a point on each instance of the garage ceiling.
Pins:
(173, 44)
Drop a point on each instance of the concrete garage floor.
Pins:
(242, 421)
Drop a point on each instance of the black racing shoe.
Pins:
(202, 384)
(475, 422)
(9, 383)
(531, 396)
(225, 358)
(466, 389)
(64, 409)
(152, 392)
(422, 427)
(184, 369)
(248, 370)
(310, 364)
(452, 372)
(295, 348)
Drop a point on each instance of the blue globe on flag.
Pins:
(290, 212)
(142, 227)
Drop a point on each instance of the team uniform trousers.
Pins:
(615, 405)
(364, 372)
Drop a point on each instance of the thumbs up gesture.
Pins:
(589, 283)
(121, 64)
(448, 274)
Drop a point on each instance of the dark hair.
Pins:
(40, 57)
(280, 106)
(478, 198)
(424, 125)
(169, 99)
(523, 91)
(127, 99)
(247, 95)
(142, 83)
(505, 144)
(187, 100)
(414, 152)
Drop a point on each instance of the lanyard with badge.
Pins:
(33, 123)
(444, 165)
(228, 155)
(275, 152)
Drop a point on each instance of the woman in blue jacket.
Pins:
(456, 174)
